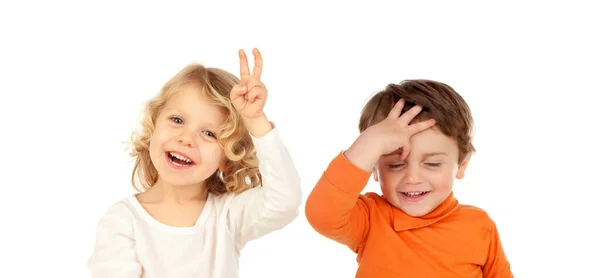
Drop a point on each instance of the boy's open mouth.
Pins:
(415, 195)
(179, 160)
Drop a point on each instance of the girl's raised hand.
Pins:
(250, 95)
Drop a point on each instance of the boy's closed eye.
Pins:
(433, 164)
(401, 164)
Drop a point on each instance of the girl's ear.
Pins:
(223, 165)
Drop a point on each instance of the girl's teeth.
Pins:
(180, 157)
(178, 164)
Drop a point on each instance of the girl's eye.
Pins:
(433, 164)
(209, 133)
(177, 120)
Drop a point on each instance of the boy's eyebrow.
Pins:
(424, 155)
(434, 154)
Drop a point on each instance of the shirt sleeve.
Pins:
(114, 250)
(496, 265)
(261, 210)
(335, 208)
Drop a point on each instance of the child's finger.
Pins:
(420, 126)
(256, 92)
(237, 91)
(396, 110)
(255, 87)
(253, 96)
(405, 152)
(253, 82)
(409, 115)
(258, 64)
(244, 70)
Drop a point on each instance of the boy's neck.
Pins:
(179, 194)
(403, 221)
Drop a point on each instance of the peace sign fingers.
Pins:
(249, 96)
(245, 70)
(258, 64)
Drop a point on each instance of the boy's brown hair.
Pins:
(439, 101)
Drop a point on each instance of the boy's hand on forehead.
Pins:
(250, 95)
(394, 131)
(389, 135)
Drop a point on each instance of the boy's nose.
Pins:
(413, 176)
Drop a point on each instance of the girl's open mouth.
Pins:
(179, 160)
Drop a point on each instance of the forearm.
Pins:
(280, 179)
(259, 126)
(333, 207)
(275, 204)
(363, 154)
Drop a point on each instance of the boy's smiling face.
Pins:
(425, 178)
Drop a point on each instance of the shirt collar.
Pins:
(403, 221)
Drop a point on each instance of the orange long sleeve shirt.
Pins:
(453, 240)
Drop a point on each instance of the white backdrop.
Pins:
(74, 77)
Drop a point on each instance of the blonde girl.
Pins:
(212, 174)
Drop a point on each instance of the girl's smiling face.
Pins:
(184, 147)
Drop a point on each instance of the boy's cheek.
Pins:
(442, 181)
(388, 181)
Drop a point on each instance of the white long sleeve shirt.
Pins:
(132, 244)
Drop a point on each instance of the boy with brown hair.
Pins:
(415, 140)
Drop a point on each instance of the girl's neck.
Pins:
(179, 194)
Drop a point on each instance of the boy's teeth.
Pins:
(180, 157)
(412, 194)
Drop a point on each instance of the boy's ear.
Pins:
(462, 167)
(375, 174)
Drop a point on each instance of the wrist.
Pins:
(363, 155)
(258, 126)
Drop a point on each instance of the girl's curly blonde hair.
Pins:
(241, 170)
